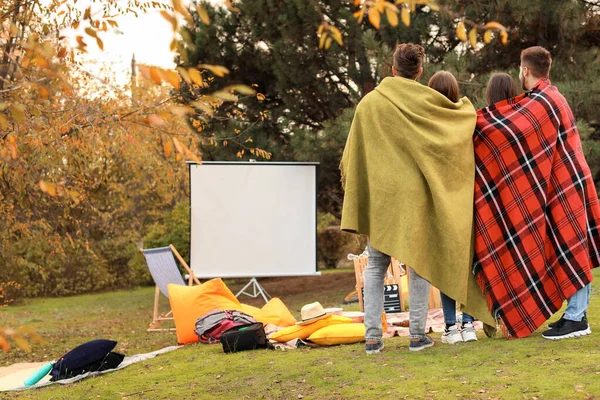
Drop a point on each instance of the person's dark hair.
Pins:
(445, 83)
(408, 60)
(500, 87)
(538, 60)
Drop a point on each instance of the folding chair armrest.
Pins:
(187, 267)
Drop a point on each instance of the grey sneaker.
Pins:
(420, 343)
(374, 346)
(452, 335)
(468, 333)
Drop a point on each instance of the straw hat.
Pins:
(311, 312)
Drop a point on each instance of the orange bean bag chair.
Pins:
(192, 302)
(250, 310)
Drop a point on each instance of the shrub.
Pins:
(9, 292)
(173, 228)
(334, 244)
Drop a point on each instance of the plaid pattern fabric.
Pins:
(536, 208)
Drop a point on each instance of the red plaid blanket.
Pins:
(536, 208)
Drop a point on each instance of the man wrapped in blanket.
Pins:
(408, 174)
(536, 208)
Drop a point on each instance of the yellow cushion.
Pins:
(339, 334)
(250, 310)
(304, 331)
(192, 302)
(276, 313)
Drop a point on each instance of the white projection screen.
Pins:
(253, 219)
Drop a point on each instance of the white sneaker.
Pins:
(468, 333)
(451, 335)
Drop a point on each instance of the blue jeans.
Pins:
(578, 303)
(373, 299)
(449, 308)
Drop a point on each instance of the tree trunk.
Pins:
(6, 62)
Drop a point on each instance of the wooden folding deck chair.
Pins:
(164, 271)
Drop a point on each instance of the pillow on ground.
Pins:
(276, 313)
(339, 334)
(191, 302)
(304, 331)
(82, 355)
(250, 310)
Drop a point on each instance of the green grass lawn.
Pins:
(531, 368)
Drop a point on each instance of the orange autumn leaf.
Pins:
(504, 37)
(179, 147)
(48, 188)
(168, 148)
(495, 25)
(156, 120)
(145, 71)
(22, 343)
(43, 91)
(487, 36)
(218, 70)
(81, 43)
(473, 37)
(405, 16)
(184, 74)
(91, 32)
(172, 77)
(4, 346)
(41, 61)
(374, 17)
(392, 16)
(195, 76)
(155, 75)
(203, 14)
(461, 31)
(12, 146)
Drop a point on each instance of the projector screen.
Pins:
(253, 219)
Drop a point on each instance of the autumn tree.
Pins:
(85, 169)
(312, 60)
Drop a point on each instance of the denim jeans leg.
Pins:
(578, 303)
(467, 318)
(419, 304)
(373, 298)
(449, 308)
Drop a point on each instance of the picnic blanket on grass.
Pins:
(435, 323)
(408, 174)
(13, 377)
(536, 208)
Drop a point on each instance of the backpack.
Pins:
(211, 326)
(245, 337)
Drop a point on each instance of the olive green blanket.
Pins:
(408, 173)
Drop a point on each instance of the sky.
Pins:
(148, 36)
